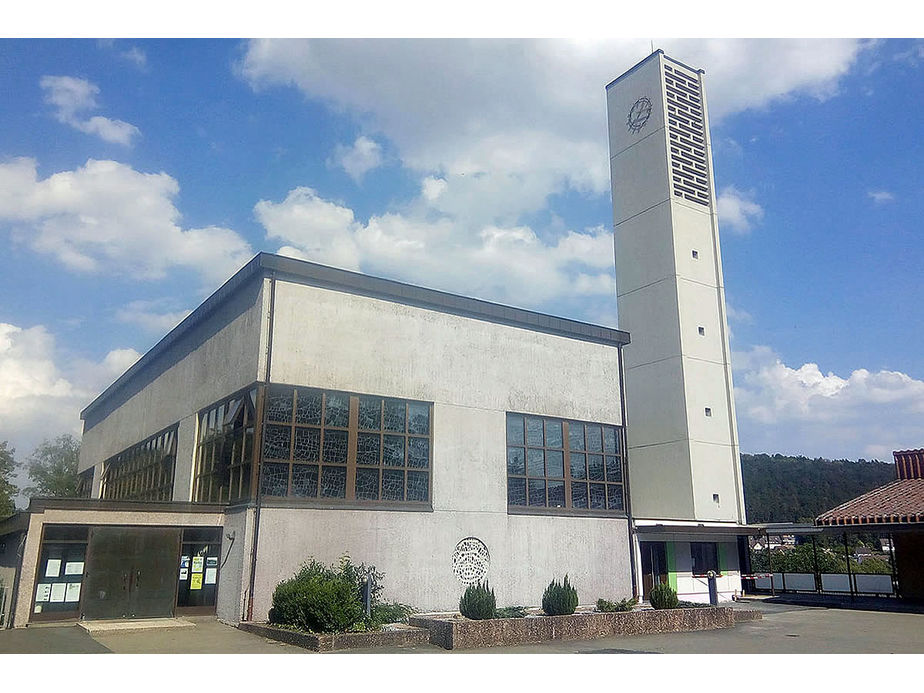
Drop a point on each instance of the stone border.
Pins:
(462, 633)
(325, 642)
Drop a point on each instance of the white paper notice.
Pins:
(53, 567)
(75, 568)
(197, 564)
(211, 575)
(184, 573)
(57, 592)
(43, 592)
(73, 592)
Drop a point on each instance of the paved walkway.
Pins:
(784, 629)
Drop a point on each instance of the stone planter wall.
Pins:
(339, 641)
(458, 633)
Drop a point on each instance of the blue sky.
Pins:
(137, 175)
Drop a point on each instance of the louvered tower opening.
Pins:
(687, 131)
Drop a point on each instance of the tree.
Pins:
(7, 490)
(53, 468)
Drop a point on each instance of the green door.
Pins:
(131, 572)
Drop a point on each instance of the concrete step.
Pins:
(123, 625)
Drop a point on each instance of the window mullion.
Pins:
(566, 456)
(352, 438)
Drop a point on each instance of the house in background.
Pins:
(307, 411)
(897, 509)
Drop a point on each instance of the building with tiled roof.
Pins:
(898, 508)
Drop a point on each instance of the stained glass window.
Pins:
(224, 455)
(143, 471)
(360, 447)
(556, 463)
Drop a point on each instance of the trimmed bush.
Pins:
(663, 597)
(606, 606)
(559, 599)
(478, 602)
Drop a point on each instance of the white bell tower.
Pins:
(682, 433)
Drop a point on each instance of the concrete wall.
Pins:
(220, 355)
(234, 579)
(414, 551)
(474, 372)
(328, 339)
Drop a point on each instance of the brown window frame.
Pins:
(609, 481)
(129, 476)
(208, 447)
(351, 462)
(85, 483)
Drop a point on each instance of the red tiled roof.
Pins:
(899, 502)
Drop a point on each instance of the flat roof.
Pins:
(323, 276)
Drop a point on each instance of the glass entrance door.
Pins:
(131, 572)
(654, 565)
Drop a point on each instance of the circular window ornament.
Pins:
(639, 114)
(470, 560)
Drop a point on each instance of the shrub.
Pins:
(317, 603)
(510, 612)
(478, 602)
(560, 598)
(663, 597)
(606, 606)
(326, 599)
(391, 612)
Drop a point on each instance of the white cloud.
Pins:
(358, 160)
(151, 316)
(880, 197)
(503, 263)
(506, 123)
(72, 96)
(137, 56)
(41, 398)
(107, 217)
(803, 410)
(737, 210)
(736, 314)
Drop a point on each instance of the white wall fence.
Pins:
(835, 583)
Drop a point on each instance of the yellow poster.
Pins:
(195, 582)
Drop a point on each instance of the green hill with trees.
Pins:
(779, 488)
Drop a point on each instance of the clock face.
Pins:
(639, 114)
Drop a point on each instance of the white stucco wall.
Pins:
(474, 372)
(219, 356)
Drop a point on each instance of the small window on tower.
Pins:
(708, 411)
(696, 255)
(702, 330)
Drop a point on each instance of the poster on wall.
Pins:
(58, 591)
(53, 567)
(184, 573)
(72, 594)
(211, 576)
(73, 568)
(196, 582)
(197, 564)
(43, 592)
(211, 561)
(184, 561)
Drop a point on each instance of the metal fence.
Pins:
(826, 583)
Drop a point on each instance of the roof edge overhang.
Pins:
(323, 276)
